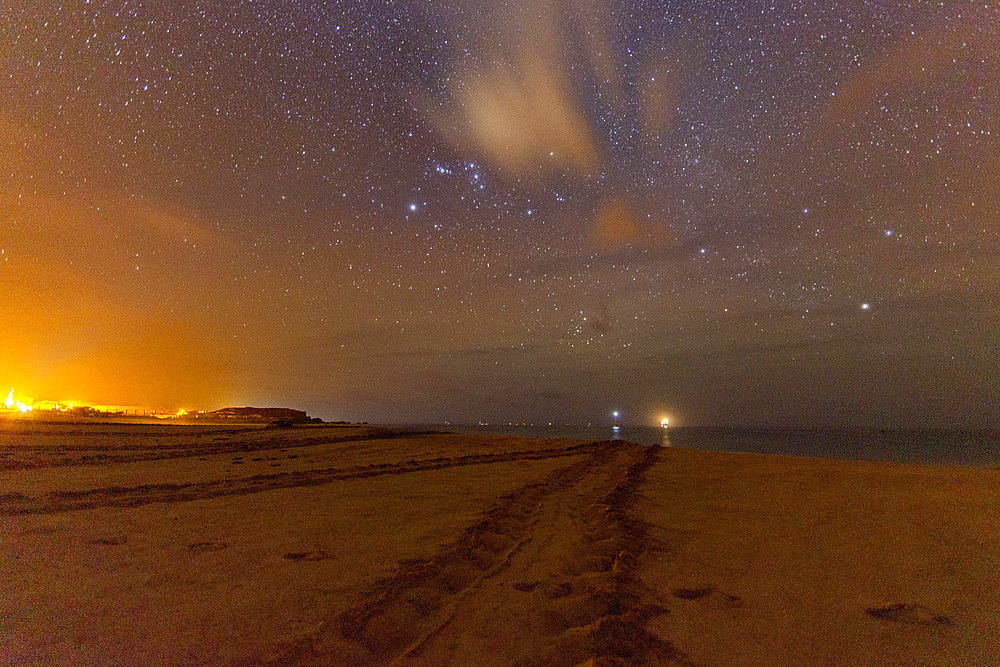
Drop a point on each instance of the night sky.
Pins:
(760, 213)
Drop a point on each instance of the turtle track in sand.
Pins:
(119, 496)
(547, 576)
(224, 441)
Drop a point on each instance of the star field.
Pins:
(782, 213)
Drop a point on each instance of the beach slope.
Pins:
(337, 545)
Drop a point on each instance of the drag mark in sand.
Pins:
(618, 636)
(117, 496)
(402, 613)
(590, 606)
(440, 583)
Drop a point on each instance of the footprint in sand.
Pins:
(558, 590)
(308, 555)
(205, 547)
(901, 612)
(734, 601)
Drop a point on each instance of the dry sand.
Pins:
(337, 545)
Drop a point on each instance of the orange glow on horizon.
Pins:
(19, 405)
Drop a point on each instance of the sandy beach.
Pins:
(356, 545)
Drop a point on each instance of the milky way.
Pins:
(782, 213)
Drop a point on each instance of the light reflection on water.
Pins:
(616, 434)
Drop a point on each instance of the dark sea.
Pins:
(936, 447)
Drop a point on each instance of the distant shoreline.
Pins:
(970, 447)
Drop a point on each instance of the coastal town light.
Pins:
(664, 422)
(12, 403)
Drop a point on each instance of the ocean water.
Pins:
(936, 447)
